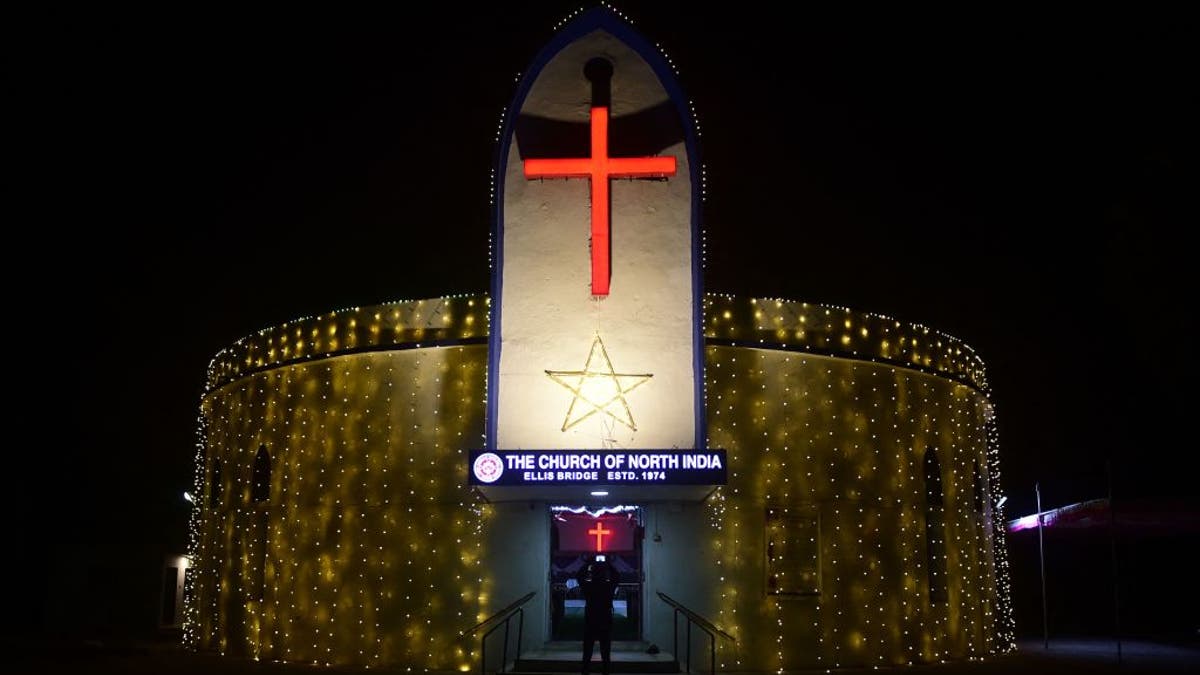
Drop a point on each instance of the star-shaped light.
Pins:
(599, 388)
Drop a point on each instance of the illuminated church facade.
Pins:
(815, 482)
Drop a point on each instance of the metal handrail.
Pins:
(508, 608)
(702, 623)
(514, 608)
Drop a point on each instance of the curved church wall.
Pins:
(362, 545)
(830, 416)
(827, 494)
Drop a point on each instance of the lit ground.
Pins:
(1064, 656)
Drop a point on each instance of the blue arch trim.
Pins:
(599, 18)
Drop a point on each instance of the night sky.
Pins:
(1010, 179)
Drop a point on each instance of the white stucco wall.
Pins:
(518, 561)
(683, 566)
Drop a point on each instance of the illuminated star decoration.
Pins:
(599, 388)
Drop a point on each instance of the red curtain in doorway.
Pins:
(579, 532)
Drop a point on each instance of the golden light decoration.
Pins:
(369, 548)
(600, 388)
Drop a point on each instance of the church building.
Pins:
(780, 484)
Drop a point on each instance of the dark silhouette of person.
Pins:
(598, 580)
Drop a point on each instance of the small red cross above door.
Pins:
(599, 531)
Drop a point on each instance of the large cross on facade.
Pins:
(599, 168)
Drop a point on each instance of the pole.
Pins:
(1112, 531)
(1037, 489)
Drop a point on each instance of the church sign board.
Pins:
(597, 467)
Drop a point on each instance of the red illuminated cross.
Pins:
(600, 168)
(599, 531)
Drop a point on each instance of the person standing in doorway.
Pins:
(598, 580)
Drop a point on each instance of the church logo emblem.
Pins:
(488, 467)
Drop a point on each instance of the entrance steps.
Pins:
(567, 657)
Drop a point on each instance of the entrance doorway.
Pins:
(577, 535)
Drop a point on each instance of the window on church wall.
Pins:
(216, 485)
(984, 525)
(260, 495)
(260, 483)
(792, 547)
(935, 527)
(977, 487)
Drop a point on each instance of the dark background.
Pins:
(183, 178)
